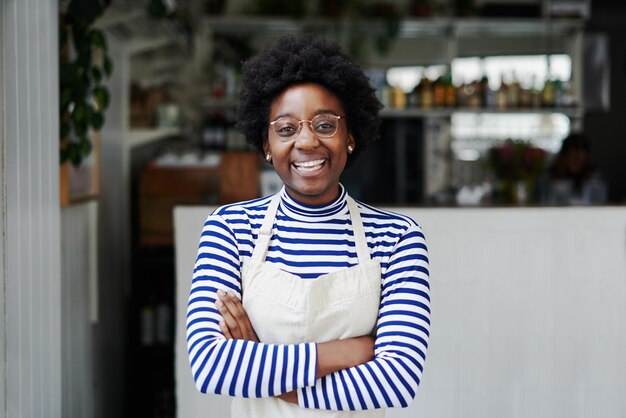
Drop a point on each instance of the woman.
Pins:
(572, 178)
(307, 303)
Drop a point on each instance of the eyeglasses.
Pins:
(323, 126)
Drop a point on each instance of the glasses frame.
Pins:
(309, 123)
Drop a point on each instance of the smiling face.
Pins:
(309, 166)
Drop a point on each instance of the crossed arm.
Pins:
(332, 356)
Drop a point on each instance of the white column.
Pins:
(29, 197)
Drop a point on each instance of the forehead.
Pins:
(305, 100)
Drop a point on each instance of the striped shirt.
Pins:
(309, 241)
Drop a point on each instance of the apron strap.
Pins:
(265, 232)
(362, 250)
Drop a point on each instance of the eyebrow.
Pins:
(316, 113)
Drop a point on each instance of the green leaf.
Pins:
(85, 146)
(63, 155)
(66, 98)
(108, 65)
(82, 44)
(63, 34)
(86, 11)
(101, 95)
(96, 75)
(79, 92)
(65, 129)
(80, 118)
(68, 74)
(157, 9)
(80, 112)
(98, 40)
(96, 120)
(84, 61)
(74, 154)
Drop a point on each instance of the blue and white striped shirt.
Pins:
(310, 241)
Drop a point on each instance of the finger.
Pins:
(225, 331)
(237, 310)
(229, 320)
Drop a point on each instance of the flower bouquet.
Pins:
(517, 165)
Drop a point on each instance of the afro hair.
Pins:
(293, 60)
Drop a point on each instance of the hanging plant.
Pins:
(84, 64)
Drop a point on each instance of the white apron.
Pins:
(285, 309)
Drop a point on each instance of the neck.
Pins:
(322, 199)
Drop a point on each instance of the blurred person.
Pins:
(572, 179)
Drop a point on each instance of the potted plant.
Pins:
(83, 65)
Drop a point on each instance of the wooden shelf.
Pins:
(573, 112)
(408, 28)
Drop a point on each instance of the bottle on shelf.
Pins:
(502, 94)
(426, 93)
(439, 92)
(461, 99)
(489, 94)
(547, 93)
(147, 322)
(535, 94)
(525, 100)
(568, 98)
(398, 98)
(558, 92)
(513, 93)
(475, 96)
(413, 98)
(214, 131)
(386, 94)
(450, 91)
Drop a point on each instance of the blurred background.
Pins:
(488, 104)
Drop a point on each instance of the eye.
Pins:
(325, 124)
(285, 127)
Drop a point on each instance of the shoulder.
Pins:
(243, 210)
(377, 216)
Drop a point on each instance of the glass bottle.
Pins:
(513, 93)
(426, 93)
(439, 92)
(450, 92)
(547, 94)
(501, 94)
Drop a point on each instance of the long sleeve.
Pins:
(392, 378)
(235, 367)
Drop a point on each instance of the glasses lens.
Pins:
(325, 125)
(286, 127)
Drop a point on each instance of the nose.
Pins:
(306, 139)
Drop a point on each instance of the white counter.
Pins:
(528, 314)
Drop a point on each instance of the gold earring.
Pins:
(268, 157)
(350, 149)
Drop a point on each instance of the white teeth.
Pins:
(307, 164)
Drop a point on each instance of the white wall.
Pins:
(528, 314)
(29, 190)
(78, 277)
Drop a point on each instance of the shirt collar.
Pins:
(295, 209)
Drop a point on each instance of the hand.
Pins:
(236, 323)
(291, 397)
(336, 355)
